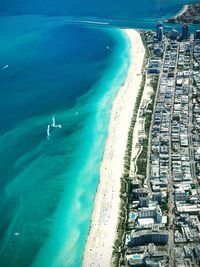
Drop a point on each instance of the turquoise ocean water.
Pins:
(72, 70)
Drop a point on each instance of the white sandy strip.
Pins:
(101, 238)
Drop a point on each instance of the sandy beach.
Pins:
(101, 237)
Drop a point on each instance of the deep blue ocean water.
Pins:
(72, 70)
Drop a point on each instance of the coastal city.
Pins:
(162, 194)
(100, 133)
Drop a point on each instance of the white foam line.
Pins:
(48, 130)
(89, 21)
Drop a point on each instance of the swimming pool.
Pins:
(136, 257)
(132, 215)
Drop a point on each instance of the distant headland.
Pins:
(189, 14)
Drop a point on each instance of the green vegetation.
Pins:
(142, 159)
(164, 207)
(127, 158)
(197, 17)
(193, 186)
(190, 15)
(147, 52)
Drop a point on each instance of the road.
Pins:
(171, 215)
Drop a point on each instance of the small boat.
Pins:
(5, 67)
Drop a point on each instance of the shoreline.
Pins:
(188, 14)
(182, 11)
(179, 14)
(101, 237)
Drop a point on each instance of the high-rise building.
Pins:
(185, 31)
(139, 238)
(160, 34)
(158, 215)
(140, 192)
(174, 34)
(158, 25)
(144, 201)
(197, 35)
(159, 31)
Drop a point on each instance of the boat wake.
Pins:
(48, 131)
(91, 22)
(52, 125)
